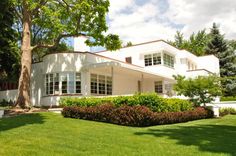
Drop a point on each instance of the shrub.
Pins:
(5, 103)
(84, 101)
(134, 115)
(227, 111)
(228, 98)
(152, 101)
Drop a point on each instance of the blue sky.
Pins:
(145, 20)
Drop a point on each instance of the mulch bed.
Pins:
(17, 111)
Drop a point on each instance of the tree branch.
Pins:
(57, 41)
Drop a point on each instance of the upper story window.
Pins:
(168, 60)
(152, 59)
(62, 83)
(128, 60)
(148, 60)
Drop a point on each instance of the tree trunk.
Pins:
(23, 99)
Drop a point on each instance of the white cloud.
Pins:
(137, 23)
(147, 21)
(199, 14)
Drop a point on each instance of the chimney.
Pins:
(80, 45)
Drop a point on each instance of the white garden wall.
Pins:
(8, 95)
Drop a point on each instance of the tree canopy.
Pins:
(45, 23)
(200, 90)
(9, 53)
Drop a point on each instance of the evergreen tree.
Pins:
(218, 46)
(217, 43)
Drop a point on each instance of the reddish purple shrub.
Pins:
(134, 115)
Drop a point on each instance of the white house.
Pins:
(145, 67)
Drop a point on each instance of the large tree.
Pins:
(54, 20)
(9, 54)
(219, 47)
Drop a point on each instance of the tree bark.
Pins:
(23, 99)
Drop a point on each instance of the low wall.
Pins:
(226, 104)
(8, 95)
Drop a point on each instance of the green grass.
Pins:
(46, 134)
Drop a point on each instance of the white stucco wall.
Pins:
(210, 63)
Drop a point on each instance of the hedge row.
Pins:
(133, 115)
(227, 111)
(152, 101)
(228, 98)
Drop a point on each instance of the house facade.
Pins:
(145, 67)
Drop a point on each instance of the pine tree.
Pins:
(218, 46)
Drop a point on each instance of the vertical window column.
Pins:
(78, 83)
(64, 83)
(56, 83)
(158, 87)
(93, 84)
(109, 85)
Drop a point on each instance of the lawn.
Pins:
(51, 134)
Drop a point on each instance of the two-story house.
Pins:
(145, 67)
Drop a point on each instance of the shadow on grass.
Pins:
(208, 138)
(21, 120)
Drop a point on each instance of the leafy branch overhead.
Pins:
(53, 20)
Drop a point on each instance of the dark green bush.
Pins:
(152, 101)
(228, 98)
(134, 115)
(227, 111)
(5, 103)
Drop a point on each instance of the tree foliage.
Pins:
(195, 44)
(45, 23)
(200, 90)
(9, 52)
(219, 47)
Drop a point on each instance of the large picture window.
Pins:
(101, 84)
(62, 83)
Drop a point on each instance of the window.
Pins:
(71, 83)
(148, 60)
(152, 59)
(128, 60)
(109, 85)
(56, 83)
(93, 83)
(47, 84)
(168, 60)
(78, 83)
(101, 84)
(158, 87)
(64, 83)
(156, 59)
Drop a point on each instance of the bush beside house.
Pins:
(134, 115)
(152, 101)
(138, 110)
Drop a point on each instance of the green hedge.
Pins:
(227, 111)
(152, 101)
(228, 98)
